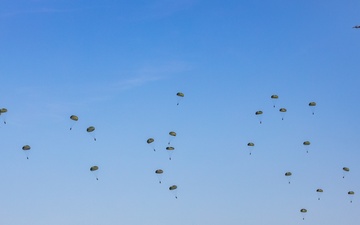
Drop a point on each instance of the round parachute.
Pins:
(250, 146)
(2, 111)
(180, 95)
(173, 189)
(282, 110)
(303, 211)
(90, 130)
(73, 117)
(150, 140)
(259, 115)
(274, 98)
(170, 151)
(312, 104)
(26, 149)
(94, 169)
(159, 173)
(288, 174)
(172, 133)
(172, 136)
(351, 195)
(319, 192)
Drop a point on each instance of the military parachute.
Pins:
(282, 110)
(73, 120)
(274, 98)
(170, 150)
(91, 130)
(26, 149)
(312, 106)
(259, 115)
(159, 173)
(173, 189)
(150, 142)
(172, 135)
(2, 114)
(180, 96)
(94, 170)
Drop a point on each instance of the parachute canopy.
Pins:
(3, 110)
(180, 94)
(357, 26)
(288, 174)
(94, 168)
(159, 171)
(90, 129)
(26, 147)
(303, 210)
(274, 96)
(306, 143)
(172, 133)
(258, 112)
(150, 140)
(170, 148)
(250, 144)
(346, 169)
(172, 187)
(312, 104)
(351, 193)
(319, 190)
(282, 110)
(73, 117)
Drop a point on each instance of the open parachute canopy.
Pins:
(172, 133)
(180, 94)
(306, 143)
(159, 171)
(274, 96)
(3, 110)
(172, 187)
(73, 117)
(150, 140)
(94, 168)
(250, 144)
(26, 149)
(90, 129)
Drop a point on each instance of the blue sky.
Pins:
(118, 65)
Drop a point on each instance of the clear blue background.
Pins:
(119, 64)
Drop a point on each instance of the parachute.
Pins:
(90, 130)
(26, 149)
(319, 192)
(306, 145)
(172, 136)
(170, 151)
(250, 147)
(303, 211)
(356, 27)
(312, 105)
(159, 173)
(288, 174)
(2, 111)
(73, 119)
(150, 141)
(173, 189)
(345, 170)
(282, 110)
(259, 115)
(94, 169)
(180, 96)
(351, 195)
(274, 98)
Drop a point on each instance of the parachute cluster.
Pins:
(306, 143)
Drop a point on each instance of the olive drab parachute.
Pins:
(2, 111)
(274, 98)
(288, 174)
(173, 189)
(90, 130)
(282, 110)
(259, 115)
(26, 149)
(319, 191)
(150, 141)
(345, 170)
(306, 145)
(303, 211)
(180, 95)
(73, 119)
(170, 151)
(312, 105)
(250, 146)
(172, 135)
(351, 195)
(94, 170)
(159, 173)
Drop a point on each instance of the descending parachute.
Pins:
(319, 191)
(306, 145)
(259, 115)
(345, 170)
(26, 149)
(90, 130)
(288, 174)
(94, 170)
(173, 189)
(172, 136)
(250, 147)
(356, 27)
(150, 141)
(282, 110)
(2, 111)
(159, 173)
(351, 195)
(303, 211)
(73, 119)
(312, 106)
(180, 96)
(274, 98)
(170, 151)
